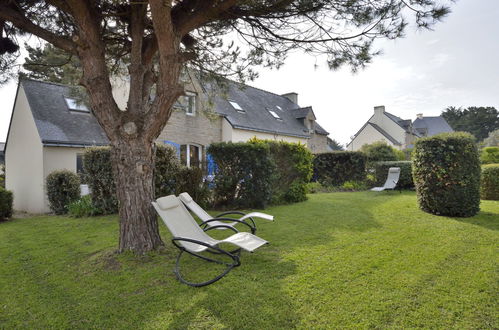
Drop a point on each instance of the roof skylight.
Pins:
(278, 107)
(236, 106)
(274, 114)
(76, 105)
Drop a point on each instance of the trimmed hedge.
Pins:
(244, 174)
(293, 170)
(489, 188)
(336, 168)
(489, 155)
(99, 177)
(446, 173)
(6, 199)
(380, 151)
(166, 168)
(63, 188)
(381, 173)
(190, 180)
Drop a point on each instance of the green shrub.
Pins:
(63, 187)
(353, 186)
(446, 173)
(489, 155)
(293, 170)
(380, 151)
(380, 170)
(244, 174)
(167, 167)
(2, 176)
(83, 207)
(6, 199)
(190, 180)
(489, 188)
(335, 168)
(99, 177)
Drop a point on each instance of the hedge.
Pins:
(380, 151)
(244, 174)
(489, 188)
(6, 199)
(381, 172)
(446, 173)
(293, 170)
(489, 155)
(336, 168)
(169, 178)
(63, 188)
(99, 177)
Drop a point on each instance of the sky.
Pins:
(456, 64)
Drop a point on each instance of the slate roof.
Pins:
(404, 123)
(428, 126)
(56, 124)
(256, 104)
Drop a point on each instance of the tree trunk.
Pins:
(133, 164)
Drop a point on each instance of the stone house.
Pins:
(395, 131)
(50, 129)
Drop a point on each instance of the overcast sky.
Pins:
(456, 64)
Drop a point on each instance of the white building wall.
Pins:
(24, 159)
(389, 126)
(58, 158)
(239, 135)
(368, 135)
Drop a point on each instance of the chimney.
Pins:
(379, 110)
(293, 97)
(419, 115)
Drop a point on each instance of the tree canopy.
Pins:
(152, 41)
(479, 121)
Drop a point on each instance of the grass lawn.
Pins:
(338, 260)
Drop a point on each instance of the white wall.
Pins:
(368, 135)
(58, 158)
(389, 126)
(24, 159)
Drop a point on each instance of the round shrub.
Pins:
(489, 189)
(380, 151)
(63, 188)
(5, 204)
(489, 155)
(446, 173)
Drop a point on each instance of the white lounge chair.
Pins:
(209, 221)
(391, 180)
(189, 237)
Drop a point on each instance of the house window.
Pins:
(188, 103)
(236, 106)
(191, 155)
(76, 105)
(79, 163)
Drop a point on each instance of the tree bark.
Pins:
(133, 164)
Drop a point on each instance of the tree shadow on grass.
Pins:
(487, 220)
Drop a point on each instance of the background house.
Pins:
(2, 154)
(395, 131)
(50, 129)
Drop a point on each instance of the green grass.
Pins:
(338, 260)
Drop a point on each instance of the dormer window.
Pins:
(274, 114)
(76, 105)
(188, 103)
(236, 106)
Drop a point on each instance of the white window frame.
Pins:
(274, 114)
(75, 105)
(236, 106)
(188, 95)
(188, 153)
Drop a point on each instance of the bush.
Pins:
(293, 170)
(82, 207)
(2, 176)
(446, 173)
(63, 187)
(489, 188)
(99, 177)
(244, 174)
(380, 151)
(167, 167)
(190, 180)
(490, 155)
(353, 186)
(335, 168)
(380, 170)
(6, 199)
